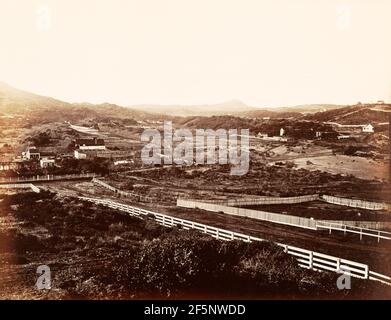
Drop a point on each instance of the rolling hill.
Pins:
(355, 114)
(39, 108)
(235, 108)
(230, 107)
(46, 109)
(310, 108)
(14, 101)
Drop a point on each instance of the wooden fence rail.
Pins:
(20, 186)
(49, 177)
(290, 220)
(374, 225)
(259, 200)
(249, 213)
(306, 258)
(121, 192)
(352, 229)
(356, 203)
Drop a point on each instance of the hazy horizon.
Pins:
(230, 101)
(263, 53)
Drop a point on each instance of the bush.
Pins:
(12, 241)
(189, 263)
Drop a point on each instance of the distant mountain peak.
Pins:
(234, 102)
(223, 108)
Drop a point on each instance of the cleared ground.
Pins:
(360, 167)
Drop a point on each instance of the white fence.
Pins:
(34, 188)
(249, 213)
(355, 203)
(306, 258)
(375, 225)
(258, 200)
(285, 219)
(253, 201)
(48, 177)
(120, 192)
(351, 229)
(20, 186)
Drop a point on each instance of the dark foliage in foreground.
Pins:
(192, 264)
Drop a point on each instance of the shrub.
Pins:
(189, 263)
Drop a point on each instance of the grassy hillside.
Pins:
(356, 114)
(40, 109)
(224, 108)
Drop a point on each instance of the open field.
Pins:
(261, 180)
(359, 167)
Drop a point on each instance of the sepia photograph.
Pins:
(172, 150)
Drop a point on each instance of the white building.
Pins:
(80, 155)
(116, 163)
(90, 144)
(31, 153)
(265, 137)
(368, 128)
(45, 163)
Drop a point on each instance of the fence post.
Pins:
(378, 236)
(311, 258)
(366, 272)
(360, 234)
(217, 234)
(338, 264)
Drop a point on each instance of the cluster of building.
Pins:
(346, 131)
(85, 148)
(32, 153)
(95, 148)
(338, 131)
(89, 148)
(280, 138)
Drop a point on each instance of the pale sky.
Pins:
(263, 52)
